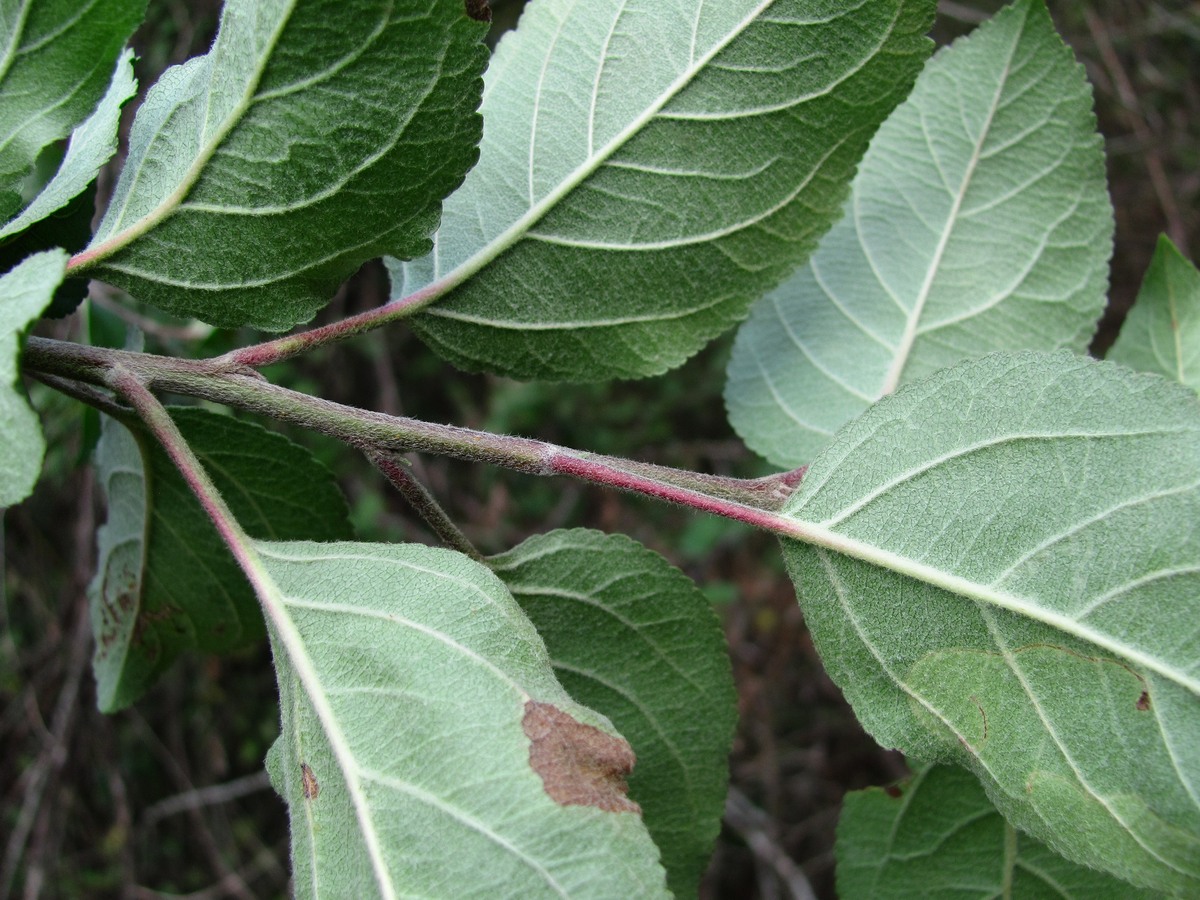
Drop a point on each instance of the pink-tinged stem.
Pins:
(158, 420)
(259, 355)
(601, 473)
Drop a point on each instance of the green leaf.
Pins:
(56, 62)
(24, 293)
(979, 220)
(634, 638)
(92, 145)
(165, 581)
(1162, 332)
(648, 170)
(315, 135)
(938, 835)
(425, 738)
(1005, 572)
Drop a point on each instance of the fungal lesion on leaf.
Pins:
(308, 781)
(579, 764)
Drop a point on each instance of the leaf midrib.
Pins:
(175, 198)
(904, 348)
(828, 539)
(514, 232)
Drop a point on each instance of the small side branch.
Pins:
(396, 470)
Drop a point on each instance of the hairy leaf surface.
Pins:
(427, 749)
(938, 835)
(24, 293)
(648, 169)
(1018, 589)
(92, 145)
(56, 62)
(979, 220)
(634, 638)
(315, 135)
(166, 581)
(1162, 332)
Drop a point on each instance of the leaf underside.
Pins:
(427, 749)
(648, 169)
(938, 835)
(1022, 596)
(979, 221)
(314, 136)
(165, 581)
(92, 144)
(24, 293)
(56, 61)
(632, 637)
(1162, 331)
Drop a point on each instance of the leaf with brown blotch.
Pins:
(579, 764)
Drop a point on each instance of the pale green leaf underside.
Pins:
(24, 293)
(92, 145)
(1026, 595)
(404, 674)
(632, 637)
(648, 168)
(56, 62)
(1162, 332)
(314, 136)
(165, 581)
(941, 837)
(979, 220)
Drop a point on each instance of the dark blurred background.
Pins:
(169, 798)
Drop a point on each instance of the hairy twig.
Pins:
(396, 469)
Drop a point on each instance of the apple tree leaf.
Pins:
(1003, 570)
(1162, 331)
(649, 169)
(937, 835)
(24, 293)
(979, 220)
(165, 581)
(427, 749)
(634, 638)
(314, 136)
(92, 144)
(56, 62)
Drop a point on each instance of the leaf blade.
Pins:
(56, 62)
(1046, 591)
(707, 129)
(24, 293)
(937, 834)
(632, 637)
(979, 221)
(290, 154)
(165, 582)
(466, 767)
(92, 144)
(1162, 331)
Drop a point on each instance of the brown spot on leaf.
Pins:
(579, 765)
(309, 782)
(893, 790)
(479, 10)
(1143, 702)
